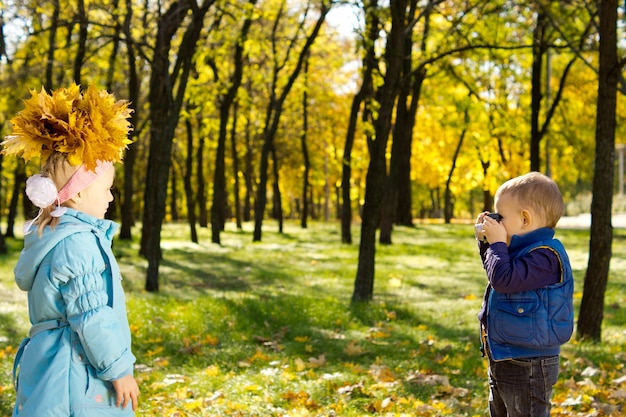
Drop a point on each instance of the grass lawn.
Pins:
(267, 329)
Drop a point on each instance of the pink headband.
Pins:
(81, 179)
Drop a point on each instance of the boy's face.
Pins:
(516, 219)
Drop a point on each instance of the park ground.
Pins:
(260, 329)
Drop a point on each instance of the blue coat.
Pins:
(80, 339)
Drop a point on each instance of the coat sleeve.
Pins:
(79, 269)
(538, 268)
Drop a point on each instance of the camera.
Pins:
(495, 216)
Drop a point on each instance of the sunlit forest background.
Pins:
(306, 109)
(478, 58)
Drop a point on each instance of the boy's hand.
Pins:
(493, 230)
(478, 227)
(127, 391)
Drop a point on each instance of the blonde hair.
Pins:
(58, 168)
(539, 192)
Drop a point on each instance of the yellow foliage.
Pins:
(88, 127)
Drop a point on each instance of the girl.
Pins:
(77, 360)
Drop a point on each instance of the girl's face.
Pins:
(95, 199)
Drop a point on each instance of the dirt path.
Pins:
(583, 221)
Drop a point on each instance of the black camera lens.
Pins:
(495, 216)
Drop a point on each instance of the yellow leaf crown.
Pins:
(87, 127)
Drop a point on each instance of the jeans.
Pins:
(522, 387)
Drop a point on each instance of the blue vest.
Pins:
(532, 323)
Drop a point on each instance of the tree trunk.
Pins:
(276, 195)
(52, 45)
(397, 204)
(201, 197)
(305, 152)
(189, 197)
(111, 70)
(128, 201)
(376, 173)
(539, 49)
(369, 64)
(164, 114)
(18, 189)
(235, 156)
(447, 199)
(81, 17)
(218, 209)
(173, 193)
(273, 117)
(596, 277)
(3, 244)
(247, 175)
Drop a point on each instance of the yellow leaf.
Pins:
(382, 373)
(154, 352)
(194, 404)
(210, 340)
(212, 370)
(395, 282)
(353, 349)
(258, 355)
(300, 365)
(316, 362)
(162, 362)
(379, 334)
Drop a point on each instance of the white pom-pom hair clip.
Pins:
(41, 190)
(43, 193)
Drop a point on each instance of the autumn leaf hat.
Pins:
(89, 128)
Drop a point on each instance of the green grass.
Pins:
(267, 328)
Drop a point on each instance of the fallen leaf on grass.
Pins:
(382, 373)
(348, 389)
(212, 370)
(619, 380)
(418, 377)
(317, 362)
(378, 406)
(300, 365)
(353, 349)
(173, 379)
(301, 398)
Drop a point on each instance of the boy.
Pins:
(527, 311)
